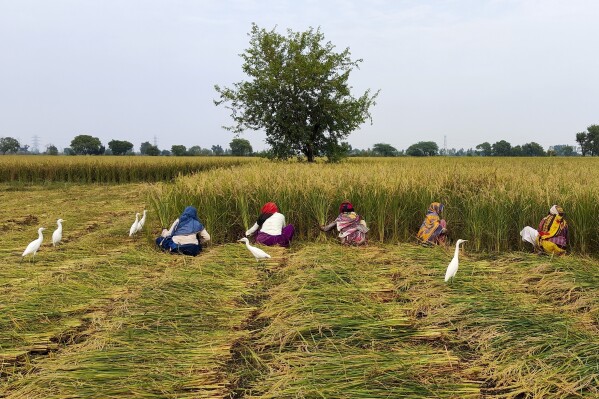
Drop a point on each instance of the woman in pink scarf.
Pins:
(352, 228)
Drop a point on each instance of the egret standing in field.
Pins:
(34, 245)
(257, 252)
(142, 221)
(135, 225)
(57, 235)
(452, 268)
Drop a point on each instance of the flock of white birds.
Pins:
(258, 253)
(35, 245)
(138, 224)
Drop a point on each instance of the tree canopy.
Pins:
(120, 147)
(217, 150)
(178, 150)
(144, 147)
(423, 148)
(589, 140)
(87, 145)
(384, 150)
(240, 147)
(52, 150)
(297, 92)
(9, 144)
(502, 149)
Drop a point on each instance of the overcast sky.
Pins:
(473, 70)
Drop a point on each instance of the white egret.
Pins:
(57, 235)
(452, 268)
(142, 221)
(257, 252)
(135, 225)
(34, 245)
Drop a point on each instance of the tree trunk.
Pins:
(309, 153)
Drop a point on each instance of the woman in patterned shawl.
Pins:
(352, 228)
(553, 232)
(434, 229)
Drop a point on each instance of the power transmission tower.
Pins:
(36, 144)
(445, 143)
(155, 141)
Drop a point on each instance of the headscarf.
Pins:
(188, 223)
(346, 206)
(267, 211)
(350, 222)
(556, 210)
(552, 224)
(269, 207)
(431, 227)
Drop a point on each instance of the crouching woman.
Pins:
(271, 227)
(185, 236)
(352, 228)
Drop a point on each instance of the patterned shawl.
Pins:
(431, 227)
(348, 223)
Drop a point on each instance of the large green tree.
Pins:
(384, 150)
(422, 149)
(589, 140)
(144, 147)
(120, 147)
(533, 150)
(52, 150)
(240, 147)
(297, 92)
(179, 150)
(152, 150)
(217, 150)
(485, 149)
(9, 144)
(502, 149)
(87, 145)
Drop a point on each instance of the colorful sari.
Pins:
(432, 229)
(352, 229)
(553, 231)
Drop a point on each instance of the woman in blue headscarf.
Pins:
(186, 235)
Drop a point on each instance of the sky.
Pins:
(466, 70)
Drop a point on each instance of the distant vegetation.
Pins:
(88, 145)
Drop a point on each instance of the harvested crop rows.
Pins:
(106, 315)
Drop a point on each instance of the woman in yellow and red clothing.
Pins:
(553, 232)
(434, 229)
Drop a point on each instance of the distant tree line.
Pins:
(499, 149)
(88, 145)
(84, 144)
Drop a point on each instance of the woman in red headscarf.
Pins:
(352, 228)
(271, 227)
